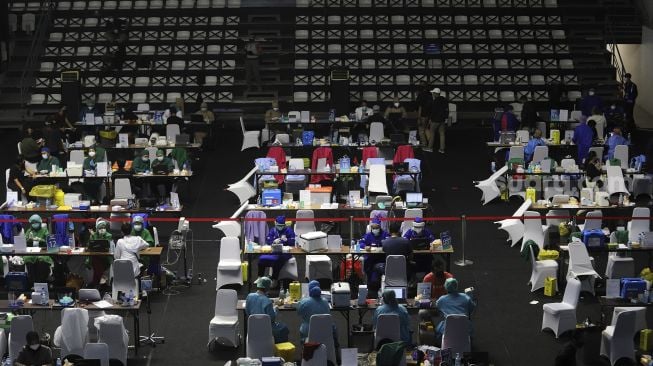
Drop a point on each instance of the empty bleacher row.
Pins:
(167, 54)
(429, 3)
(484, 57)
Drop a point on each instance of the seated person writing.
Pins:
(47, 161)
(129, 246)
(391, 306)
(314, 304)
(419, 231)
(453, 302)
(34, 353)
(162, 165)
(279, 234)
(35, 236)
(373, 239)
(92, 186)
(99, 264)
(259, 303)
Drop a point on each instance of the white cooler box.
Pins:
(340, 294)
(72, 199)
(73, 169)
(313, 241)
(646, 239)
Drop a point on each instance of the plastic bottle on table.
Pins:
(458, 360)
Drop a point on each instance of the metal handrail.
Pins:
(41, 31)
(615, 55)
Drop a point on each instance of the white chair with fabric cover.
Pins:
(377, 181)
(580, 266)
(319, 330)
(619, 266)
(243, 189)
(489, 186)
(224, 327)
(616, 182)
(395, 271)
(260, 341)
(77, 156)
(72, 334)
(561, 316)
(303, 227)
(621, 153)
(123, 189)
(515, 227)
(593, 221)
(97, 351)
(20, 325)
(388, 326)
(617, 340)
(553, 220)
(516, 152)
(319, 357)
(533, 229)
(123, 278)
(540, 153)
(250, 138)
(230, 270)
(540, 270)
(172, 131)
(640, 316)
(112, 331)
(376, 132)
(640, 223)
(456, 334)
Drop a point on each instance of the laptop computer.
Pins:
(400, 293)
(420, 243)
(182, 139)
(413, 199)
(160, 169)
(98, 246)
(507, 137)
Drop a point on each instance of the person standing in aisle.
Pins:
(252, 56)
(630, 96)
(438, 120)
(424, 101)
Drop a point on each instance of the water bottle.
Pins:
(130, 299)
(493, 167)
(458, 361)
(332, 115)
(58, 363)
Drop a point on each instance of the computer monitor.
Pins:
(400, 292)
(414, 198)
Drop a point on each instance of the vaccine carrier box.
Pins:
(340, 294)
(271, 197)
(313, 241)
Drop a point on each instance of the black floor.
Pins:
(505, 324)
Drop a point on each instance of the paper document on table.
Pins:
(78, 250)
(33, 249)
(612, 288)
(103, 304)
(622, 246)
(349, 356)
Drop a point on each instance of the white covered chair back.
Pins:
(123, 188)
(639, 224)
(230, 265)
(112, 331)
(260, 341)
(516, 152)
(303, 227)
(540, 153)
(77, 156)
(224, 326)
(97, 351)
(533, 228)
(72, 334)
(123, 278)
(395, 271)
(617, 340)
(377, 181)
(319, 357)
(319, 330)
(580, 263)
(387, 327)
(621, 153)
(593, 220)
(456, 334)
(172, 131)
(376, 132)
(20, 325)
(616, 182)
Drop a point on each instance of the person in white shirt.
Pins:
(129, 246)
(363, 111)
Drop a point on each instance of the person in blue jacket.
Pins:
(373, 239)
(314, 304)
(614, 140)
(589, 102)
(534, 142)
(391, 306)
(453, 302)
(279, 234)
(583, 138)
(259, 303)
(419, 231)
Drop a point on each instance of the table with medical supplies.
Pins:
(77, 252)
(576, 207)
(53, 305)
(606, 303)
(189, 146)
(93, 211)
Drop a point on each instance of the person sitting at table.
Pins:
(273, 114)
(30, 145)
(391, 306)
(583, 138)
(363, 111)
(141, 163)
(139, 230)
(419, 231)
(53, 139)
(34, 353)
(47, 161)
(99, 264)
(179, 156)
(165, 165)
(259, 303)
(314, 304)
(61, 119)
(91, 186)
(279, 234)
(599, 122)
(129, 246)
(395, 244)
(35, 236)
(453, 302)
(535, 141)
(436, 277)
(88, 108)
(209, 118)
(394, 114)
(613, 141)
(17, 180)
(592, 169)
(374, 238)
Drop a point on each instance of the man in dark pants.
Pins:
(252, 55)
(528, 114)
(424, 101)
(630, 95)
(438, 120)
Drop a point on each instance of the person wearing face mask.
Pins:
(420, 231)
(209, 118)
(630, 96)
(100, 264)
(363, 111)
(614, 116)
(47, 161)
(613, 141)
(394, 114)
(392, 306)
(273, 114)
(374, 238)
(34, 353)
(437, 120)
(91, 186)
(162, 164)
(35, 236)
(141, 163)
(87, 108)
(589, 102)
(259, 303)
(279, 234)
(138, 229)
(314, 304)
(454, 302)
(436, 277)
(129, 246)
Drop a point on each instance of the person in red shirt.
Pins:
(436, 278)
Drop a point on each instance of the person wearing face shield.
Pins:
(142, 162)
(100, 264)
(138, 229)
(35, 236)
(34, 353)
(279, 234)
(92, 186)
(420, 231)
(374, 238)
(589, 102)
(47, 161)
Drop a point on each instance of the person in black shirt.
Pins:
(424, 101)
(567, 355)
(438, 120)
(528, 114)
(630, 96)
(396, 244)
(34, 354)
(17, 180)
(173, 119)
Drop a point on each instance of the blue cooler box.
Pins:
(631, 287)
(271, 197)
(593, 238)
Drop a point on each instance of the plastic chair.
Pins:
(111, 330)
(515, 227)
(97, 351)
(561, 316)
(489, 186)
(593, 221)
(533, 229)
(250, 138)
(580, 266)
(456, 334)
(260, 342)
(123, 189)
(224, 327)
(172, 131)
(319, 330)
(387, 327)
(516, 152)
(395, 271)
(376, 132)
(20, 325)
(617, 340)
(540, 270)
(77, 156)
(635, 227)
(72, 334)
(303, 227)
(123, 278)
(319, 357)
(230, 266)
(243, 189)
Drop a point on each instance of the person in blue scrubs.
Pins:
(534, 142)
(391, 306)
(589, 102)
(259, 303)
(615, 140)
(583, 138)
(373, 239)
(314, 304)
(419, 231)
(453, 302)
(279, 234)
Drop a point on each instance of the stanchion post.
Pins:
(351, 229)
(463, 226)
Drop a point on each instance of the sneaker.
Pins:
(441, 151)
(427, 149)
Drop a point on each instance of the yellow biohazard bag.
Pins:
(243, 267)
(285, 350)
(59, 197)
(645, 339)
(43, 191)
(550, 286)
(295, 290)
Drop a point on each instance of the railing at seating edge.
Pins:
(41, 32)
